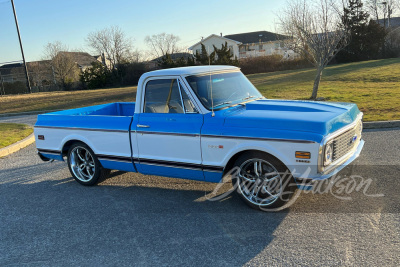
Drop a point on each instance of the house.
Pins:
(393, 23)
(82, 59)
(41, 73)
(245, 45)
(102, 59)
(10, 73)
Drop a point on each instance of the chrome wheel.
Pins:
(259, 182)
(82, 163)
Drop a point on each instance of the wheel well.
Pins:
(232, 160)
(68, 144)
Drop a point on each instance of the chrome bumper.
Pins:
(339, 167)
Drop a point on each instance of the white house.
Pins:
(218, 41)
(244, 45)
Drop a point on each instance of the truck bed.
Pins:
(114, 109)
(104, 128)
(114, 116)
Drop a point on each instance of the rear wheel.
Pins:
(84, 165)
(263, 182)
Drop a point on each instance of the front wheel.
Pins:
(263, 182)
(84, 165)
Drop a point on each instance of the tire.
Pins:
(263, 182)
(84, 165)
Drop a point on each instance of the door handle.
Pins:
(142, 126)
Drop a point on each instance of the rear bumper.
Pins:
(49, 155)
(42, 157)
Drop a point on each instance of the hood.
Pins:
(306, 116)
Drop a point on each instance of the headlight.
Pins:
(328, 154)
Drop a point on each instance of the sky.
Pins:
(70, 21)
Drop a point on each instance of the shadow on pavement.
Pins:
(128, 219)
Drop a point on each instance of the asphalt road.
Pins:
(48, 219)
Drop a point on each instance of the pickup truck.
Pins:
(203, 123)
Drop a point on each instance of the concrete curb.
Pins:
(17, 146)
(381, 124)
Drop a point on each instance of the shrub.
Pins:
(15, 88)
(271, 63)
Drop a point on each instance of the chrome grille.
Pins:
(343, 143)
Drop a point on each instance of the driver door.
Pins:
(168, 131)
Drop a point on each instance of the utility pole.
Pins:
(2, 92)
(22, 50)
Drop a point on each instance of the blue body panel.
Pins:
(115, 165)
(53, 156)
(115, 116)
(174, 172)
(294, 116)
(212, 177)
(281, 119)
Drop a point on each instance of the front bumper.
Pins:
(341, 166)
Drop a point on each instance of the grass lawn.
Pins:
(64, 99)
(13, 132)
(373, 85)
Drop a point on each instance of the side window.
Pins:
(189, 106)
(162, 96)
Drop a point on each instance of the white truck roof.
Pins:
(189, 70)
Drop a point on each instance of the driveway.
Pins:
(46, 218)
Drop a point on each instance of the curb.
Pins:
(381, 124)
(17, 146)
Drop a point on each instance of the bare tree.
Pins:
(135, 56)
(162, 43)
(113, 43)
(374, 8)
(41, 74)
(312, 29)
(62, 63)
(383, 9)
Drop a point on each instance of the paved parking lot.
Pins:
(46, 218)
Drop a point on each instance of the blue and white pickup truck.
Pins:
(201, 123)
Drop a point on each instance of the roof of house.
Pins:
(214, 35)
(82, 58)
(394, 22)
(13, 65)
(255, 37)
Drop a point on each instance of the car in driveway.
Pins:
(202, 123)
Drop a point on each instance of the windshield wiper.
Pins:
(224, 103)
(250, 96)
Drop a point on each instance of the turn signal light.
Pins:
(303, 155)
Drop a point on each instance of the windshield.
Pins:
(227, 89)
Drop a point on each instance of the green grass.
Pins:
(373, 85)
(64, 100)
(13, 132)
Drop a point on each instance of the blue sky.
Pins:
(69, 21)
